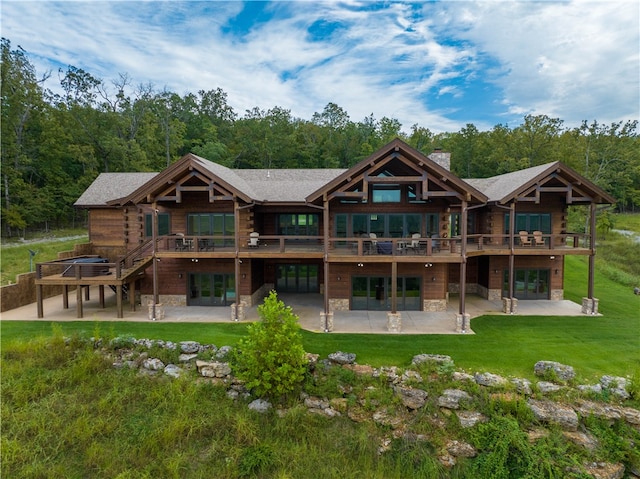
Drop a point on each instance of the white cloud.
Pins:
(572, 60)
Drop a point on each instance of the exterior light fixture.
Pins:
(360, 265)
(552, 257)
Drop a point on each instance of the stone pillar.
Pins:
(394, 322)
(590, 305)
(326, 322)
(241, 308)
(506, 305)
(159, 310)
(463, 322)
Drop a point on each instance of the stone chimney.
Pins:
(442, 158)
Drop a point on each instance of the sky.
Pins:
(439, 65)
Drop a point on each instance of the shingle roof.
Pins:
(286, 185)
(111, 186)
(497, 187)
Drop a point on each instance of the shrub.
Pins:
(271, 359)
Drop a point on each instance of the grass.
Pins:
(594, 346)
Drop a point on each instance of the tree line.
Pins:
(54, 144)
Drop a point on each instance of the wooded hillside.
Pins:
(55, 144)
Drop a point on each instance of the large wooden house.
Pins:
(397, 231)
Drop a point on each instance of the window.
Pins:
(163, 224)
(456, 225)
(386, 194)
(211, 224)
(530, 222)
(383, 225)
(298, 224)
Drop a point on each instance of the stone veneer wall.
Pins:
(165, 299)
(338, 304)
(432, 305)
(556, 294)
(472, 288)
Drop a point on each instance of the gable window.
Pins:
(163, 224)
(456, 224)
(386, 193)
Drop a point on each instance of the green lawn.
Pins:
(608, 344)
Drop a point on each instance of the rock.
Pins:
(536, 434)
(590, 388)
(190, 347)
(260, 405)
(523, 386)
(461, 449)
(411, 375)
(410, 397)
(546, 387)
(431, 358)
(173, 370)
(153, 364)
(560, 371)
(313, 402)
(185, 358)
(490, 380)
(601, 410)
(360, 369)
(459, 376)
(451, 398)
(616, 385)
(213, 369)
(470, 418)
(551, 412)
(223, 352)
(342, 358)
(582, 439)
(391, 373)
(605, 470)
(383, 418)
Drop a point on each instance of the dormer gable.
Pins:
(397, 163)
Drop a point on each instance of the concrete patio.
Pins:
(307, 306)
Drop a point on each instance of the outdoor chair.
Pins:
(538, 239)
(524, 238)
(415, 243)
(205, 245)
(254, 237)
(435, 243)
(180, 243)
(373, 244)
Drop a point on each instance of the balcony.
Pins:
(403, 249)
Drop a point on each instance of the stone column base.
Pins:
(159, 311)
(326, 322)
(394, 322)
(507, 306)
(590, 305)
(463, 322)
(241, 311)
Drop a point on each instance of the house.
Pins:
(397, 231)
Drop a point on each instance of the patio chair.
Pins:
(524, 238)
(180, 243)
(206, 245)
(254, 238)
(373, 244)
(435, 243)
(538, 240)
(415, 242)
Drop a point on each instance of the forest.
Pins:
(54, 144)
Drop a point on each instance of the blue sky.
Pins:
(440, 65)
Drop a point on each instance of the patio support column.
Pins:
(65, 296)
(119, 301)
(101, 295)
(39, 300)
(132, 295)
(463, 253)
(154, 239)
(325, 232)
(394, 289)
(512, 247)
(592, 248)
(236, 220)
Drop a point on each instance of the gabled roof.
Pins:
(112, 186)
(415, 162)
(528, 184)
(286, 185)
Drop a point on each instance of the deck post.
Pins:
(119, 300)
(65, 296)
(394, 289)
(79, 301)
(39, 300)
(101, 295)
(132, 295)
(463, 253)
(512, 247)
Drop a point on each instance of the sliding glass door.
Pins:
(373, 293)
(211, 289)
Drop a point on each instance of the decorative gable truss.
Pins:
(192, 182)
(400, 166)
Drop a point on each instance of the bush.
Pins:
(271, 360)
